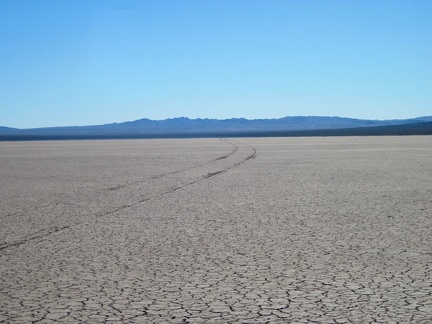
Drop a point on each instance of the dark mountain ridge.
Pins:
(185, 127)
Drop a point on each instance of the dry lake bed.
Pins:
(242, 230)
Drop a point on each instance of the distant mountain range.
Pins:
(185, 127)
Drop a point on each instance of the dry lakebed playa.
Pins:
(237, 230)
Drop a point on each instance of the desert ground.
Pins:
(241, 230)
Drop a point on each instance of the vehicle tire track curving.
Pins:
(120, 186)
(233, 151)
(42, 234)
(201, 178)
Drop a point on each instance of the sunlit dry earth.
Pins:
(205, 230)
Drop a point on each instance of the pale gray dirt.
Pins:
(328, 230)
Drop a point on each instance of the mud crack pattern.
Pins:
(227, 231)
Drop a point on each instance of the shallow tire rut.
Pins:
(123, 196)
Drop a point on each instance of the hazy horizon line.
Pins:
(210, 118)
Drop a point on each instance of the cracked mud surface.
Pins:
(329, 230)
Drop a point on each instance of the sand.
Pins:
(241, 230)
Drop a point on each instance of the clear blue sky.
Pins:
(94, 62)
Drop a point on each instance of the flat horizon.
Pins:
(208, 118)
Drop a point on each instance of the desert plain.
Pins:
(239, 230)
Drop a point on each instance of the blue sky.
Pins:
(95, 62)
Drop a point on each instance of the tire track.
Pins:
(120, 186)
(38, 235)
(249, 157)
(252, 155)
(44, 233)
(233, 151)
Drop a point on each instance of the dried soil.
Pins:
(240, 230)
